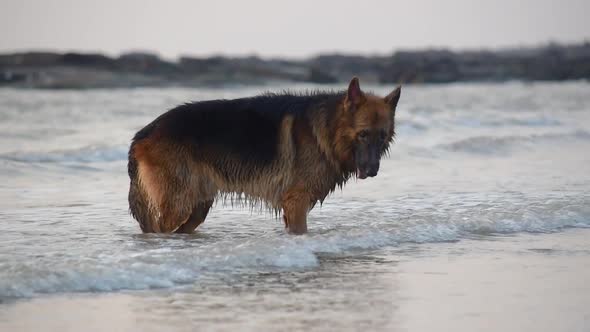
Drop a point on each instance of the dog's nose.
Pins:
(373, 169)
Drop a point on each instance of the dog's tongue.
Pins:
(361, 173)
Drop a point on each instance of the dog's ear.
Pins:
(393, 98)
(354, 96)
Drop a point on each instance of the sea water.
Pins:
(473, 167)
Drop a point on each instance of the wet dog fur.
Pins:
(282, 151)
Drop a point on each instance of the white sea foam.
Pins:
(175, 260)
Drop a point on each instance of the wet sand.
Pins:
(523, 282)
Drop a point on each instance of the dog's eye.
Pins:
(363, 134)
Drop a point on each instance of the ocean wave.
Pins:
(87, 154)
(162, 261)
(410, 127)
(502, 122)
(505, 144)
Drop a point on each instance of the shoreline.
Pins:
(511, 283)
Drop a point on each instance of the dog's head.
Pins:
(371, 127)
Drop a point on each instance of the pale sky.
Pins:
(296, 28)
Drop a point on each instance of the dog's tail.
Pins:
(139, 205)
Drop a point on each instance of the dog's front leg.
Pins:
(296, 204)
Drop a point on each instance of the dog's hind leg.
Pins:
(196, 218)
(170, 220)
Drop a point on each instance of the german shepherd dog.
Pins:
(282, 151)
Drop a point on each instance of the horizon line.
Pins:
(513, 47)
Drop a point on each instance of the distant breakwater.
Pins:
(552, 62)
